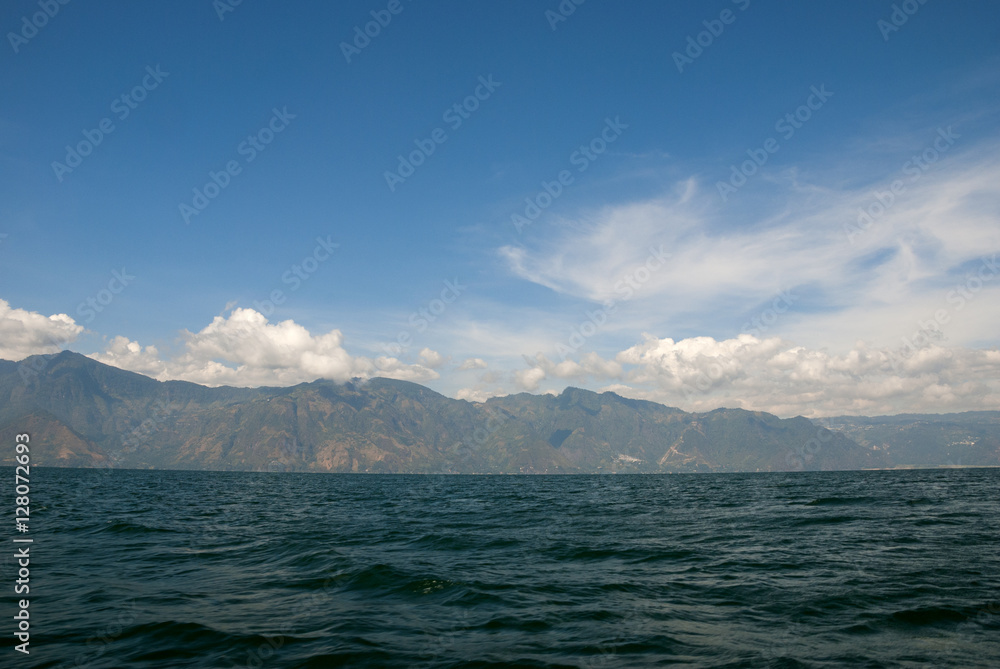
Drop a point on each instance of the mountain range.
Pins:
(82, 413)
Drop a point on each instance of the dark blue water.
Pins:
(199, 569)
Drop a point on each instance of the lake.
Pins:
(223, 569)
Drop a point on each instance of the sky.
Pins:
(780, 206)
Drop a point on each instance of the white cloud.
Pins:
(24, 333)
(701, 374)
(395, 369)
(827, 349)
(726, 258)
(528, 379)
(476, 394)
(473, 363)
(244, 349)
(591, 365)
(696, 373)
(432, 359)
(129, 355)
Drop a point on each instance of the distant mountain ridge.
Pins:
(971, 438)
(82, 413)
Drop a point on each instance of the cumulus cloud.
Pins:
(827, 279)
(590, 365)
(129, 355)
(696, 373)
(244, 349)
(476, 394)
(473, 363)
(395, 369)
(529, 379)
(24, 333)
(431, 359)
(771, 374)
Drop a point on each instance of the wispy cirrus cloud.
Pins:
(942, 217)
(834, 300)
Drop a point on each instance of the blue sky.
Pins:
(643, 275)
